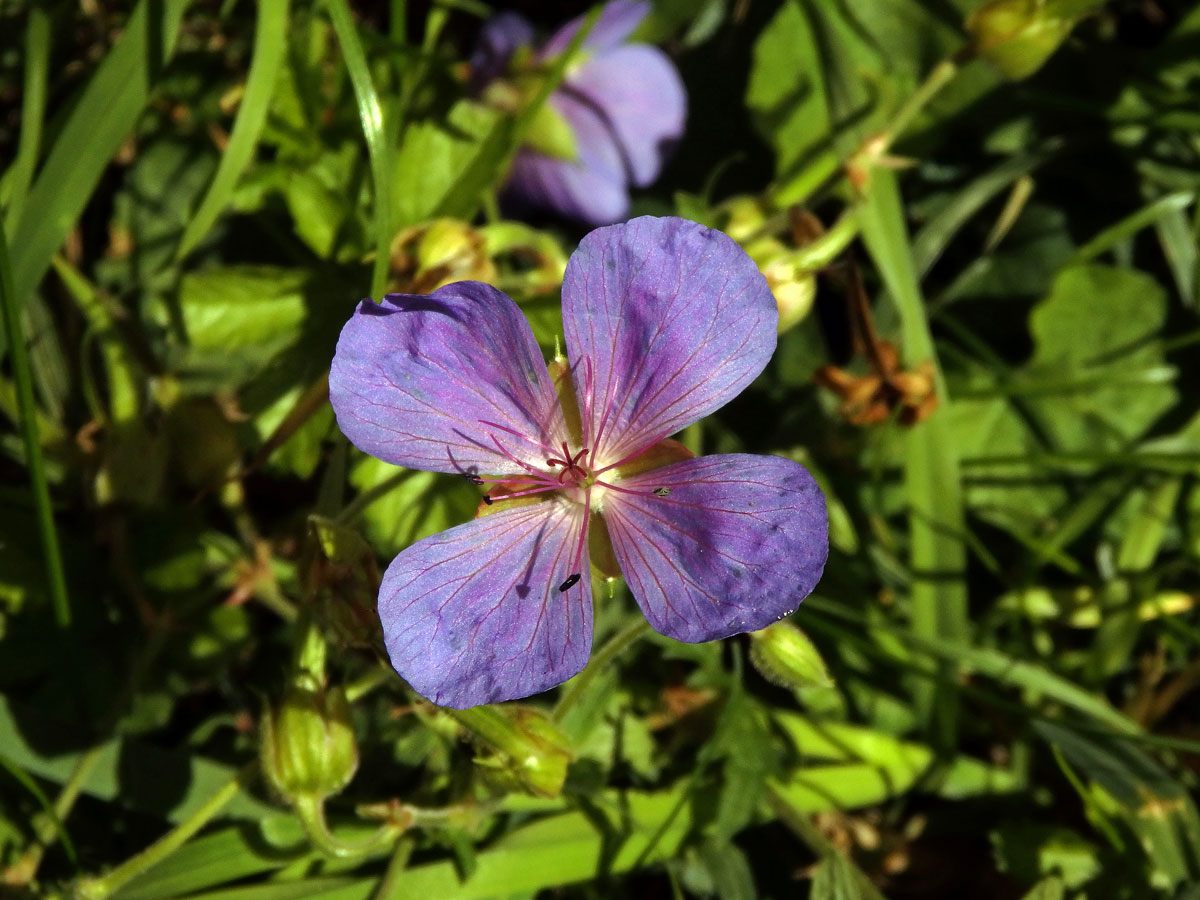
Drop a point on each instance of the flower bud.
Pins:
(533, 750)
(1018, 36)
(425, 257)
(785, 656)
(308, 748)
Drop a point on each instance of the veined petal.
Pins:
(638, 93)
(475, 615)
(672, 318)
(592, 188)
(616, 23)
(719, 545)
(423, 381)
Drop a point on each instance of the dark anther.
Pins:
(571, 581)
(474, 479)
(487, 499)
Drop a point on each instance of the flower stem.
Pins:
(826, 248)
(311, 813)
(612, 648)
(99, 888)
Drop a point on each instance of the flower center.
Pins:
(572, 472)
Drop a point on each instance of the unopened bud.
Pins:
(1018, 36)
(785, 656)
(794, 290)
(308, 748)
(533, 750)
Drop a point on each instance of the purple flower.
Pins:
(608, 124)
(665, 321)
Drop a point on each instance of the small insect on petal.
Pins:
(571, 581)
(662, 492)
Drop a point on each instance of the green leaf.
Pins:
(416, 505)
(1095, 352)
(786, 89)
(434, 157)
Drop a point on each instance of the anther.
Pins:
(571, 581)
(487, 499)
(474, 479)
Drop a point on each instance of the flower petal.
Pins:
(592, 188)
(675, 319)
(616, 23)
(719, 545)
(475, 615)
(639, 94)
(422, 381)
(499, 38)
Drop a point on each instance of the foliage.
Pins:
(992, 692)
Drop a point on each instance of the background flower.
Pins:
(665, 322)
(608, 125)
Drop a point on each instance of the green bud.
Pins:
(533, 750)
(308, 748)
(794, 290)
(1018, 36)
(785, 656)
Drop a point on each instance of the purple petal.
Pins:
(719, 545)
(616, 23)
(475, 615)
(675, 320)
(501, 37)
(424, 381)
(591, 189)
(638, 93)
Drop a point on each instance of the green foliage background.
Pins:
(992, 692)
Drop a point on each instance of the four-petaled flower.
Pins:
(664, 321)
(606, 127)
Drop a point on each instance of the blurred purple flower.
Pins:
(665, 321)
(608, 124)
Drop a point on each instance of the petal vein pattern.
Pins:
(734, 544)
(476, 615)
(675, 319)
(415, 377)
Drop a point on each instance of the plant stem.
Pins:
(612, 648)
(10, 308)
(99, 888)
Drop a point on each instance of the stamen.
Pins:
(530, 469)
(488, 500)
(621, 462)
(552, 486)
(474, 479)
(571, 581)
(621, 490)
(514, 433)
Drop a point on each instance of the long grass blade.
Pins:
(33, 111)
(105, 113)
(52, 556)
(936, 524)
(370, 112)
(270, 42)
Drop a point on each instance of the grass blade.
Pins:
(371, 113)
(937, 552)
(270, 41)
(104, 114)
(52, 556)
(33, 111)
